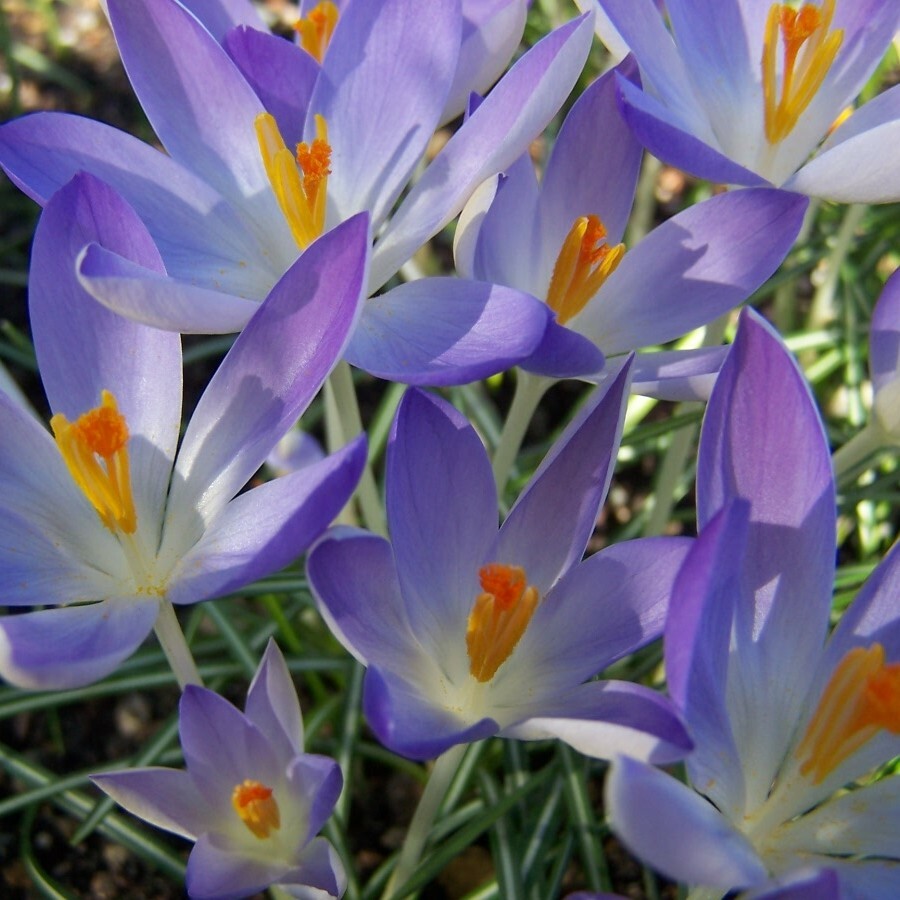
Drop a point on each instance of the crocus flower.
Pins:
(102, 521)
(231, 208)
(787, 720)
(560, 241)
(469, 632)
(742, 92)
(250, 798)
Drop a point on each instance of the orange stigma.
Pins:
(809, 51)
(299, 182)
(316, 28)
(583, 265)
(862, 698)
(257, 807)
(106, 482)
(499, 618)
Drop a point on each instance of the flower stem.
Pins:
(822, 310)
(445, 768)
(529, 390)
(175, 647)
(859, 448)
(344, 423)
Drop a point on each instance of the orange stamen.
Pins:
(499, 618)
(584, 263)
(106, 482)
(809, 51)
(256, 805)
(316, 28)
(862, 698)
(299, 183)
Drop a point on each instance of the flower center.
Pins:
(256, 805)
(94, 448)
(862, 699)
(809, 51)
(583, 265)
(316, 28)
(499, 618)
(299, 182)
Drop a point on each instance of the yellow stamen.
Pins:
(316, 28)
(862, 698)
(809, 51)
(256, 805)
(299, 183)
(583, 265)
(101, 432)
(499, 618)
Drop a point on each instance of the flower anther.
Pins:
(584, 263)
(809, 51)
(257, 807)
(316, 28)
(498, 618)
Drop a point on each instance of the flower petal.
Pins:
(442, 331)
(884, 338)
(692, 258)
(264, 529)
(677, 374)
(317, 783)
(274, 369)
(56, 649)
(563, 353)
(219, 16)
(605, 718)
(215, 870)
(676, 830)
(548, 528)
(319, 869)
(166, 798)
(272, 703)
(493, 137)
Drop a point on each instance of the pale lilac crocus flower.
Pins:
(744, 91)
(249, 797)
(467, 631)
(231, 208)
(788, 720)
(560, 240)
(111, 522)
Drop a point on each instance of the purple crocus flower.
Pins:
(742, 92)
(560, 241)
(250, 798)
(469, 632)
(106, 523)
(230, 207)
(787, 719)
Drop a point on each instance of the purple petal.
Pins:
(804, 884)
(608, 606)
(319, 868)
(667, 137)
(215, 870)
(763, 440)
(220, 16)
(281, 74)
(412, 725)
(442, 331)
(317, 783)
(272, 704)
(199, 235)
(166, 798)
(296, 450)
(354, 580)
(692, 258)
(150, 298)
(442, 515)
(593, 168)
(698, 634)
(83, 349)
(884, 338)
(274, 369)
(264, 529)
(605, 718)
(852, 166)
(677, 831)
(563, 353)
(384, 83)
(549, 526)
(57, 649)
(194, 96)
(677, 374)
(496, 134)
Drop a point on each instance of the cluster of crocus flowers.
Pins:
(787, 720)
